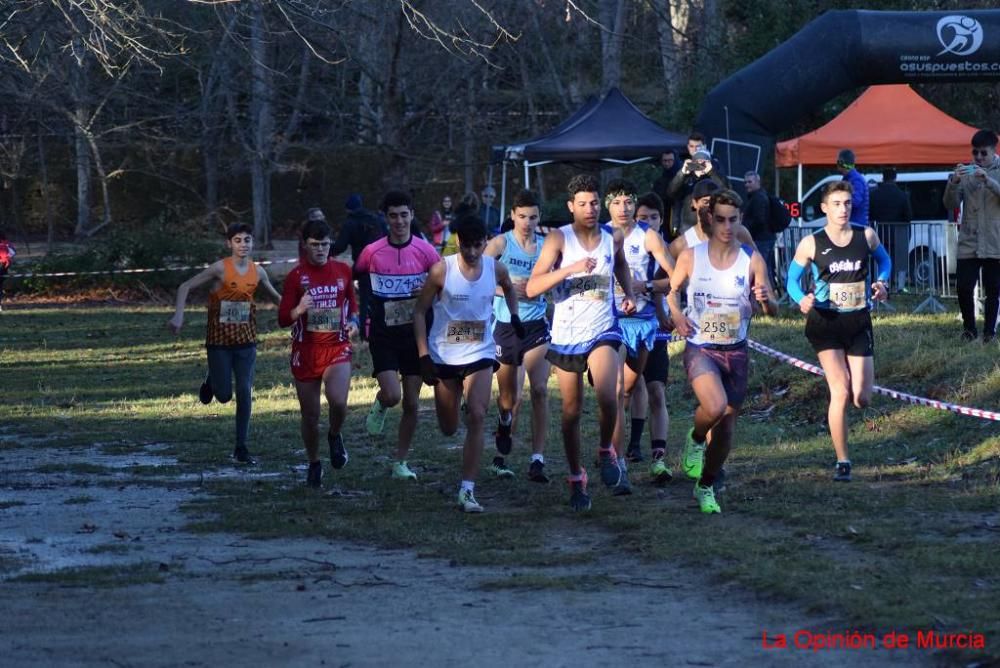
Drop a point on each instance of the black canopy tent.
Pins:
(610, 129)
(836, 52)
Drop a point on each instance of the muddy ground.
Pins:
(225, 600)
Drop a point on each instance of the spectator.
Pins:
(489, 213)
(757, 220)
(699, 167)
(977, 186)
(661, 186)
(889, 205)
(361, 228)
(440, 220)
(859, 198)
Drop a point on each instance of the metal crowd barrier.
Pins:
(923, 257)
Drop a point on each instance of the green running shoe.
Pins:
(706, 499)
(500, 469)
(468, 502)
(693, 457)
(660, 472)
(400, 471)
(375, 422)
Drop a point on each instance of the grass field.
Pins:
(912, 543)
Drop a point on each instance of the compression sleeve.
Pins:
(795, 271)
(884, 263)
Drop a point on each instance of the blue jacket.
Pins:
(859, 200)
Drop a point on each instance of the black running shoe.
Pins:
(338, 453)
(205, 393)
(843, 472)
(504, 441)
(536, 472)
(719, 485)
(634, 453)
(315, 476)
(242, 456)
(579, 500)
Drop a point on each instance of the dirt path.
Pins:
(225, 600)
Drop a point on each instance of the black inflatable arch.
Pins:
(836, 52)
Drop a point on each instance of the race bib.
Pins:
(465, 331)
(592, 287)
(323, 320)
(720, 326)
(848, 295)
(399, 313)
(234, 313)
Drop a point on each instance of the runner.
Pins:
(695, 235)
(838, 317)
(723, 278)
(7, 253)
(319, 305)
(457, 355)
(231, 332)
(651, 394)
(644, 251)
(577, 260)
(395, 267)
(518, 250)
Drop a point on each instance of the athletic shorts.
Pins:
(394, 353)
(463, 371)
(510, 349)
(850, 331)
(309, 362)
(638, 332)
(574, 358)
(657, 363)
(730, 364)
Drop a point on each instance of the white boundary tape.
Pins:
(131, 271)
(894, 394)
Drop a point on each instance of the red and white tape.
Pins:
(894, 394)
(53, 274)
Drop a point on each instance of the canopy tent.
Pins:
(886, 125)
(611, 129)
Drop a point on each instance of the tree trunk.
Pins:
(469, 139)
(44, 173)
(81, 149)
(668, 40)
(261, 117)
(103, 178)
(613, 15)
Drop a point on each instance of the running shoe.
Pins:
(314, 478)
(706, 499)
(338, 453)
(500, 469)
(536, 472)
(205, 393)
(611, 471)
(660, 472)
(719, 485)
(634, 453)
(468, 502)
(504, 442)
(623, 488)
(842, 472)
(242, 456)
(579, 500)
(693, 456)
(400, 471)
(375, 422)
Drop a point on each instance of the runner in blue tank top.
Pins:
(457, 354)
(838, 321)
(644, 250)
(518, 250)
(725, 281)
(576, 263)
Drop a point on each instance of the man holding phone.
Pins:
(976, 187)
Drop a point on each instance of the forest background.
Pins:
(176, 117)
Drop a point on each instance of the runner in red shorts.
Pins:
(319, 304)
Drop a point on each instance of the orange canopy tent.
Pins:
(886, 125)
